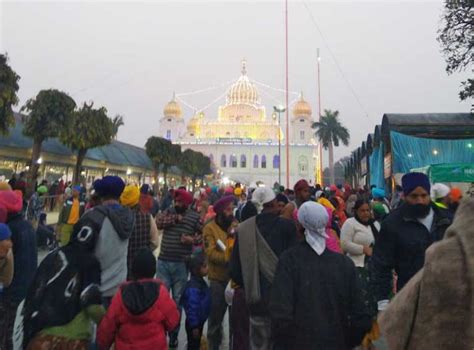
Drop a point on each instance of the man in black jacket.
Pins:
(405, 235)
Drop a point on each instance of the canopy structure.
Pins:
(462, 172)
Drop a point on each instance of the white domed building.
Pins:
(242, 141)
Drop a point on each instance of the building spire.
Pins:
(244, 67)
(174, 96)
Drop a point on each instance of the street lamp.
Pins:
(279, 109)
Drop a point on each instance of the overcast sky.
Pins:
(130, 56)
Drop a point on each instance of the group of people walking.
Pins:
(301, 268)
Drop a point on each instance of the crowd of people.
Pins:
(301, 268)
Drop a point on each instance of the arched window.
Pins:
(243, 161)
(255, 161)
(264, 162)
(233, 161)
(302, 165)
(276, 161)
(223, 161)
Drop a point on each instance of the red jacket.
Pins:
(139, 316)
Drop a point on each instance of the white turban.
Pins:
(314, 218)
(439, 190)
(261, 196)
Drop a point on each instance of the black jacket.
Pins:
(401, 245)
(316, 302)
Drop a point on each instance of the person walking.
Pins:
(73, 209)
(196, 299)
(215, 235)
(141, 312)
(405, 235)
(315, 301)
(260, 241)
(181, 229)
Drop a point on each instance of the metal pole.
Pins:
(320, 148)
(287, 107)
(279, 148)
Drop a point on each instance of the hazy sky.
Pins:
(131, 56)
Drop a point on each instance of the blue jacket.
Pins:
(25, 258)
(196, 301)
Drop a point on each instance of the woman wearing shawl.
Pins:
(315, 300)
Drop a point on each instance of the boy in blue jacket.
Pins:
(196, 299)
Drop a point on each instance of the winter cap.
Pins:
(5, 232)
(12, 201)
(439, 190)
(378, 193)
(223, 203)
(144, 264)
(301, 185)
(184, 196)
(109, 186)
(130, 196)
(4, 186)
(262, 195)
(411, 181)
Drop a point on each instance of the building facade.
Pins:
(244, 143)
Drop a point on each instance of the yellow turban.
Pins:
(4, 186)
(326, 203)
(130, 196)
(238, 191)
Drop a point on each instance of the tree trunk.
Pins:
(194, 183)
(76, 177)
(165, 175)
(156, 187)
(34, 166)
(331, 164)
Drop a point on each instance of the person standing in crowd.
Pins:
(315, 301)
(405, 235)
(440, 195)
(36, 205)
(302, 192)
(64, 297)
(6, 257)
(145, 232)
(141, 312)
(378, 195)
(350, 205)
(25, 256)
(20, 184)
(397, 197)
(181, 228)
(260, 241)
(196, 299)
(111, 241)
(357, 239)
(435, 308)
(12, 181)
(216, 234)
(146, 200)
(73, 209)
(456, 197)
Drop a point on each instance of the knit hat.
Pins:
(411, 181)
(184, 196)
(456, 194)
(301, 185)
(109, 186)
(378, 193)
(130, 196)
(439, 190)
(223, 203)
(5, 232)
(4, 186)
(144, 264)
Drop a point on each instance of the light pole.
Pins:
(279, 109)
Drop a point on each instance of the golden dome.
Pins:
(173, 109)
(243, 91)
(302, 109)
(195, 122)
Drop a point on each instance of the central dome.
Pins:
(243, 91)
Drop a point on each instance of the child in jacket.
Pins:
(142, 311)
(196, 299)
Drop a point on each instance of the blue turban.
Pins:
(378, 193)
(77, 188)
(109, 186)
(5, 232)
(411, 181)
(145, 189)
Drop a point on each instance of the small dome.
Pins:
(243, 91)
(173, 109)
(302, 109)
(194, 122)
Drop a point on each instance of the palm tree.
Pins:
(330, 133)
(117, 123)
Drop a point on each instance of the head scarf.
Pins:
(314, 218)
(411, 181)
(439, 191)
(130, 196)
(261, 196)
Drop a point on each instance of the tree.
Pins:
(117, 123)
(157, 149)
(456, 39)
(47, 115)
(173, 157)
(330, 133)
(8, 98)
(89, 128)
(195, 164)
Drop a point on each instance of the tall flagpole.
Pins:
(287, 107)
(320, 148)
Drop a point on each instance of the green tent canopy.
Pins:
(460, 172)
